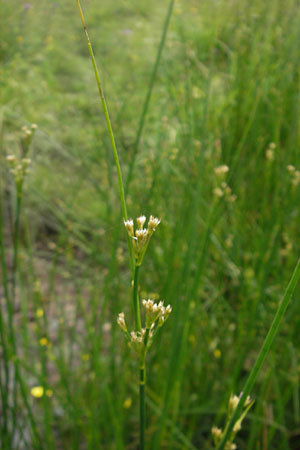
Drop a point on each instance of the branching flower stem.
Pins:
(262, 354)
(110, 131)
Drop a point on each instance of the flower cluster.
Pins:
(140, 341)
(295, 174)
(156, 311)
(225, 191)
(141, 236)
(270, 155)
(218, 433)
(156, 315)
(27, 135)
(222, 189)
(18, 168)
(220, 171)
(121, 321)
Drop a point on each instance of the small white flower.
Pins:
(141, 234)
(215, 431)
(121, 321)
(218, 192)
(221, 170)
(11, 158)
(153, 224)
(140, 221)
(291, 168)
(233, 402)
(129, 226)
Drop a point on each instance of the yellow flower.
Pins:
(49, 392)
(39, 313)
(127, 403)
(217, 353)
(44, 342)
(37, 391)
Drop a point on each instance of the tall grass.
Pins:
(225, 88)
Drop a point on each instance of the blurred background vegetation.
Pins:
(226, 93)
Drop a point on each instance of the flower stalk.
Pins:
(156, 314)
(110, 131)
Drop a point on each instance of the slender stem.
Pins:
(148, 95)
(142, 405)
(136, 303)
(110, 131)
(262, 354)
(142, 391)
(16, 241)
(13, 295)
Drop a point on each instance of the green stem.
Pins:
(16, 242)
(262, 354)
(136, 303)
(13, 295)
(142, 405)
(110, 131)
(148, 95)
(4, 344)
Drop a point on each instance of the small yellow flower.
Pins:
(85, 357)
(37, 391)
(217, 353)
(44, 342)
(49, 392)
(127, 403)
(39, 313)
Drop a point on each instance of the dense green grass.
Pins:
(227, 86)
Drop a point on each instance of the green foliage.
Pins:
(227, 87)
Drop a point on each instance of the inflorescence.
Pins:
(218, 433)
(141, 236)
(156, 316)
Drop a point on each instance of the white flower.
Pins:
(153, 224)
(121, 321)
(221, 170)
(129, 226)
(140, 221)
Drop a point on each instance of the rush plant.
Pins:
(141, 338)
